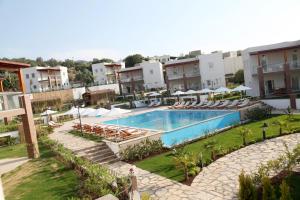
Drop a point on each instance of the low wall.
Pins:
(278, 103)
(64, 95)
(114, 87)
(243, 111)
(298, 104)
(117, 147)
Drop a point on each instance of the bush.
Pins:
(10, 127)
(285, 191)
(247, 190)
(267, 189)
(43, 130)
(257, 114)
(142, 150)
(97, 180)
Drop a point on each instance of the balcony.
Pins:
(175, 76)
(135, 78)
(192, 74)
(278, 67)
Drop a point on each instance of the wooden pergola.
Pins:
(14, 67)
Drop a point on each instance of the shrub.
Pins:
(43, 130)
(285, 191)
(11, 141)
(13, 126)
(142, 150)
(247, 190)
(245, 133)
(97, 180)
(268, 192)
(257, 113)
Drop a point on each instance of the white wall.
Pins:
(30, 81)
(152, 74)
(114, 87)
(233, 64)
(77, 92)
(99, 73)
(212, 69)
(298, 104)
(64, 77)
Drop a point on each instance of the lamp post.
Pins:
(264, 128)
(79, 105)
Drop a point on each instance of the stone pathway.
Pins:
(217, 181)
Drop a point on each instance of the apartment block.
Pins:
(233, 62)
(41, 79)
(143, 76)
(106, 73)
(273, 70)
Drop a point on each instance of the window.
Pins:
(195, 69)
(208, 82)
(34, 87)
(175, 71)
(96, 70)
(263, 62)
(33, 75)
(101, 70)
(295, 59)
(210, 65)
(27, 76)
(151, 71)
(64, 73)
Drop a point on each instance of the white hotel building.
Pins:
(273, 71)
(106, 73)
(41, 79)
(143, 76)
(203, 71)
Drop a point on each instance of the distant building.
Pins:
(274, 70)
(212, 70)
(143, 76)
(233, 62)
(40, 79)
(106, 73)
(163, 59)
(183, 74)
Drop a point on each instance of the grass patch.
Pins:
(42, 178)
(87, 136)
(163, 164)
(14, 151)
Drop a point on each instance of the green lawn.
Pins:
(43, 178)
(14, 151)
(163, 164)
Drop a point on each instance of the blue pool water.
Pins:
(180, 125)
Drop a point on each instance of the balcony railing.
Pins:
(10, 100)
(192, 74)
(136, 78)
(180, 76)
(175, 76)
(277, 67)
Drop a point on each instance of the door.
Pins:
(270, 86)
(295, 83)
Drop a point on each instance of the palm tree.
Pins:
(185, 161)
(280, 123)
(210, 145)
(245, 133)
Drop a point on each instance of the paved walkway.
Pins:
(217, 181)
(9, 164)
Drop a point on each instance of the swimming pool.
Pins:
(180, 125)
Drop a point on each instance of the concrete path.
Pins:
(9, 164)
(217, 181)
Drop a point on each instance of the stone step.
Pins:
(103, 155)
(104, 159)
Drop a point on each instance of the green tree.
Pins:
(103, 60)
(85, 76)
(285, 191)
(131, 60)
(281, 124)
(268, 190)
(247, 190)
(239, 77)
(186, 161)
(245, 133)
(39, 61)
(10, 82)
(52, 62)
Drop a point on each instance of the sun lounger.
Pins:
(175, 104)
(233, 104)
(179, 104)
(54, 124)
(209, 103)
(192, 104)
(157, 104)
(223, 104)
(151, 104)
(214, 104)
(244, 103)
(201, 103)
(184, 105)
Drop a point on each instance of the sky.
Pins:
(87, 29)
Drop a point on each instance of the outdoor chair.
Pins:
(233, 104)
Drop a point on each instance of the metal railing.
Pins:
(276, 67)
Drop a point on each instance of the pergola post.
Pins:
(21, 81)
(29, 128)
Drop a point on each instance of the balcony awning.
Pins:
(270, 50)
(12, 66)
